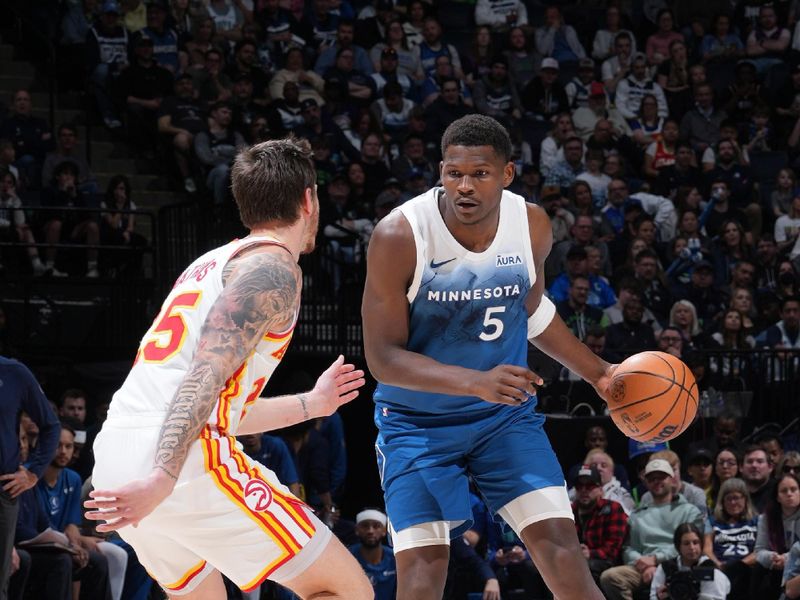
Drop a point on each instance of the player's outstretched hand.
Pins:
(336, 386)
(602, 385)
(130, 503)
(506, 384)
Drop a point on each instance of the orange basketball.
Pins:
(653, 397)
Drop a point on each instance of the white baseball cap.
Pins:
(659, 465)
(549, 63)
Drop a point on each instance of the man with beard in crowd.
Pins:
(373, 555)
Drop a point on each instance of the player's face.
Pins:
(473, 178)
(66, 448)
(371, 533)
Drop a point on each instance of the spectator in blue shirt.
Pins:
(375, 558)
(20, 393)
(273, 453)
(600, 293)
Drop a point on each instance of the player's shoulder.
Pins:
(393, 230)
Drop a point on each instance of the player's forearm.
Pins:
(267, 414)
(413, 371)
(558, 342)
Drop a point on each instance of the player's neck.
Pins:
(291, 236)
(374, 555)
(475, 237)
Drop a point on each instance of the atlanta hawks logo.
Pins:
(257, 495)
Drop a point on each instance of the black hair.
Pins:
(682, 530)
(478, 130)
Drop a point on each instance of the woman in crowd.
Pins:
(730, 535)
(657, 47)
(742, 301)
(117, 228)
(522, 58)
(309, 84)
(612, 488)
(683, 315)
(790, 463)
(731, 247)
(476, 61)
(732, 369)
(673, 77)
(646, 128)
(407, 58)
(688, 541)
(778, 529)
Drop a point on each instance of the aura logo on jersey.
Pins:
(257, 495)
(507, 260)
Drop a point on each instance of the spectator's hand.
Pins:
(500, 557)
(516, 555)
(505, 384)
(491, 591)
(645, 563)
(337, 385)
(89, 543)
(662, 593)
(778, 561)
(130, 503)
(15, 562)
(585, 551)
(20, 481)
(647, 575)
(80, 557)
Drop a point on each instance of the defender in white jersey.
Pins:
(453, 295)
(169, 474)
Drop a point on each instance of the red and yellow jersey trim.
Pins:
(187, 577)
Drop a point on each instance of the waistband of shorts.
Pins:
(135, 421)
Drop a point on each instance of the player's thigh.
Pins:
(514, 457)
(211, 588)
(335, 572)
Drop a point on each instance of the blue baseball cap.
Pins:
(638, 448)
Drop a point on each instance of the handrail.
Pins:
(51, 54)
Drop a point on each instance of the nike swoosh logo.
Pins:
(435, 265)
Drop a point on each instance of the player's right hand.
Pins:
(506, 384)
(129, 504)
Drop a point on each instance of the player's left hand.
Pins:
(130, 503)
(602, 385)
(20, 481)
(336, 386)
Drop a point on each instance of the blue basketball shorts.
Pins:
(425, 462)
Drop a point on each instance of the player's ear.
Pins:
(309, 200)
(509, 171)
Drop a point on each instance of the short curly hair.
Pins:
(478, 130)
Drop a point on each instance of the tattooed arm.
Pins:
(262, 292)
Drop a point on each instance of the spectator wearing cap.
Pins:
(345, 33)
(309, 84)
(286, 114)
(180, 118)
(617, 67)
(631, 335)
(579, 87)
(700, 468)
(600, 294)
(596, 110)
(601, 460)
(388, 72)
(165, 40)
(692, 493)
(633, 88)
(496, 95)
(143, 85)
(501, 14)
(317, 124)
(602, 525)
(557, 39)
(373, 555)
(701, 125)
(650, 541)
(543, 97)
(107, 56)
(404, 59)
(216, 148)
(604, 38)
(393, 112)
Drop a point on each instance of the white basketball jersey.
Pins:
(167, 349)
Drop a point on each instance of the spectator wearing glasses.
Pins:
(670, 340)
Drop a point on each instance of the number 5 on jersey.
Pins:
(493, 325)
(166, 336)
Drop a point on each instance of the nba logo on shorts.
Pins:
(257, 495)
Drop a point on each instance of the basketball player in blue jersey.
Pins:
(454, 293)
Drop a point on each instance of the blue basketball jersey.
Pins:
(465, 308)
